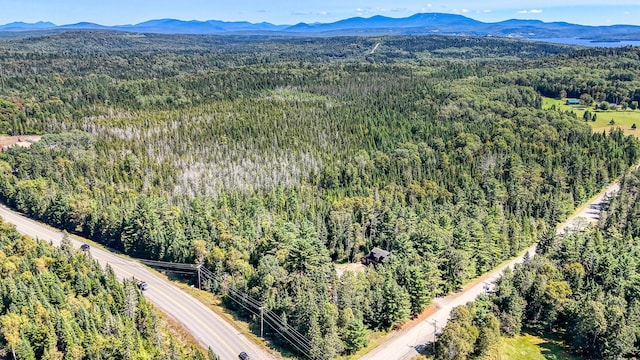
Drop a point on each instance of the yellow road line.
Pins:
(184, 309)
(199, 320)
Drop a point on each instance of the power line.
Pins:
(293, 330)
(285, 331)
(179, 272)
(290, 334)
(293, 335)
(293, 343)
(253, 306)
(155, 263)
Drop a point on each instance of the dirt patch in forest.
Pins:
(21, 140)
(341, 268)
(426, 313)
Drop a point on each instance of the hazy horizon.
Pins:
(125, 12)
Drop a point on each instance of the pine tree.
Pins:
(398, 303)
(355, 337)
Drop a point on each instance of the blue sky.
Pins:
(119, 12)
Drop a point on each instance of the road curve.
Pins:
(209, 329)
(405, 343)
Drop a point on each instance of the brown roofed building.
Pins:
(375, 257)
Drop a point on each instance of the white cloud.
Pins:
(426, 8)
(532, 11)
(486, 11)
(392, 9)
(464, 11)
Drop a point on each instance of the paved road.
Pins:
(404, 344)
(204, 325)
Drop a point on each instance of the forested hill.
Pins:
(251, 49)
(57, 303)
(272, 160)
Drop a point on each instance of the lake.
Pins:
(590, 43)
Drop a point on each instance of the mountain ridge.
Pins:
(417, 24)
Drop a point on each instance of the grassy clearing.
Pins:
(531, 347)
(623, 119)
(375, 338)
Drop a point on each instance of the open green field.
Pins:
(623, 119)
(530, 347)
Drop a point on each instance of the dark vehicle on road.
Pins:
(142, 285)
(244, 356)
(85, 247)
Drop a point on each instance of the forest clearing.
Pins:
(625, 119)
(22, 140)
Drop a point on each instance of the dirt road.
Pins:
(405, 343)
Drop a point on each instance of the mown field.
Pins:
(623, 119)
(532, 347)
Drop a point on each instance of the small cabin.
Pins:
(375, 257)
(573, 102)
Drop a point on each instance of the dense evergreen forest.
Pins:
(583, 287)
(270, 160)
(57, 303)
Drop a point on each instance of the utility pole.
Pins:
(199, 282)
(435, 331)
(262, 321)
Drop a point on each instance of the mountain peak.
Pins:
(19, 25)
(417, 24)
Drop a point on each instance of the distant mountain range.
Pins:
(418, 24)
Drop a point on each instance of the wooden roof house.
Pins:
(375, 256)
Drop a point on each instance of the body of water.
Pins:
(591, 43)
